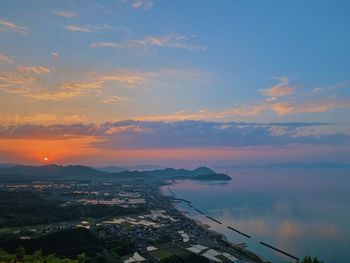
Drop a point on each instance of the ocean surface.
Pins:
(303, 212)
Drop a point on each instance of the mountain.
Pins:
(51, 170)
(212, 177)
(118, 169)
(111, 169)
(310, 165)
(23, 173)
(27, 173)
(6, 165)
(177, 173)
(202, 171)
(144, 168)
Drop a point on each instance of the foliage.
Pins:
(36, 257)
(121, 247)
(71, 243)
(67, 243)
(309, 259)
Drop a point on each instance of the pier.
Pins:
(184, 200)
(214, 220)
(239, 232)
(199, 211)
(280, 251)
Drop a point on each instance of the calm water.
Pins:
(301, 212)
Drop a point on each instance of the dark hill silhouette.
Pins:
(22, 173)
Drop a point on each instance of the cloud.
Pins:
(208, 114)
(113, 99)
(65, 14)
(140, 4)
(105, 44)
(317, 90)
(280, 90)
(254, 110)
(35, 69)
(41, 118)
(6, 25)
(128, 77)
(25, 81)
(33, 118)
(324, 105)
(88, 29)
(28, 82)
(171, 40)
(36, 82)
(52, 132)
(5, 59)
(55, 55)
(131, 134)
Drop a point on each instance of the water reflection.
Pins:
(302, 212)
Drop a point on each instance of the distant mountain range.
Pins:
(117, 169)
(311, 165)
(23, 173)
(6, 165)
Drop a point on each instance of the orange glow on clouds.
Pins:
(79, 150)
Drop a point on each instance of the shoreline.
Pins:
(221, 237)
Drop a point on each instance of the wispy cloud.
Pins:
(106, 44)
(254, 110)
(65, 14)
(283, 102)
(318, 106)
(6, 25)
(5, 59)
(42, 118)
(27, 82)
(280, 90)
(55, 55)
(88, 29)
(140, 4)
(208, 114)
(171, 40)
(114, 99)
(34, 69)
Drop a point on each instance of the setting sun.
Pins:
(46, 159)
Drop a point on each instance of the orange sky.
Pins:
(79, 151)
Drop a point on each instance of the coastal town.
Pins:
(147, 217)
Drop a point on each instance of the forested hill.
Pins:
(21, 173)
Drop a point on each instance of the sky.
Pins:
(177, 83)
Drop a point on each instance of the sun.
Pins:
(46, 159)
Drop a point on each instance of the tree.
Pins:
(309, 259)
(36, 257)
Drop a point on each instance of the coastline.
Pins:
(219, 237)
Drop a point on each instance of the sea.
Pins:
(302, 212)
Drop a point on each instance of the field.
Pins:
(170, 250)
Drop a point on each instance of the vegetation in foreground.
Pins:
(37, 257)
(67, 244)
(309, 259)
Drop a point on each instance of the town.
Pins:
(138, 212)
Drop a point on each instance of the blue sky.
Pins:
(64, 62)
